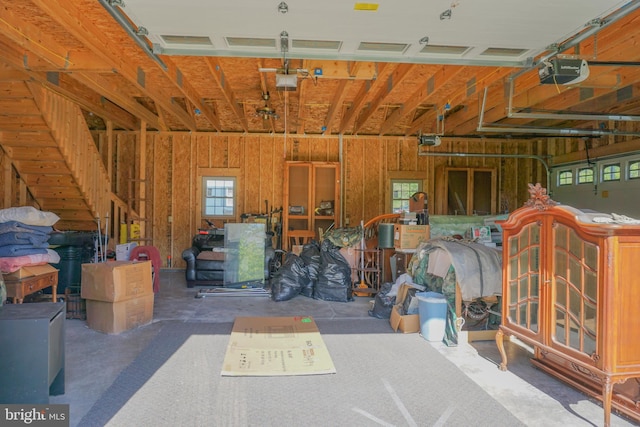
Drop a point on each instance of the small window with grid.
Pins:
(611, 173)
(585, 176)
(218, 196)
(565, 178)
(634, 169)
(401, 191)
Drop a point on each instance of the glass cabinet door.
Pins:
(523, 278)
(325, 203)
(575, 291)
(298, 204)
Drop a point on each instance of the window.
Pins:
(218, 196)
(611, 173)
(634, 169)
(585, 176)
(401, 191)
(565, 178)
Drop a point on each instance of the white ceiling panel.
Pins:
(529, 26)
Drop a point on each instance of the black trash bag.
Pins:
(334, 279)
(287, 282)
(383, 304)
(311, 256)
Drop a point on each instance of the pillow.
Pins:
(28, 215)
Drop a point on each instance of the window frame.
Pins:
(578, 175)
(393, 181)
(560, 177)
(605, 171)
(630, 169)
(204, 197)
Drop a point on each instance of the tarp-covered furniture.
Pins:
(463, 270)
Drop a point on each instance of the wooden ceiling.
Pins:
(78, 49)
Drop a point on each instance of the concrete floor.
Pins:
(94, 359)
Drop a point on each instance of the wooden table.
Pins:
(17, 289)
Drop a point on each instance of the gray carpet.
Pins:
(382, 378)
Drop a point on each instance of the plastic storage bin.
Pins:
(432, 309)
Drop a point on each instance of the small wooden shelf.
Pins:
(298, 216)
(323, 217)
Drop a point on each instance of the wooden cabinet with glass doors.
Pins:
(311, 199)
(571, 286)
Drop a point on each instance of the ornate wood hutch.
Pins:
(571, 288)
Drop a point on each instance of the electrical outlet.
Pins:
(346, 221)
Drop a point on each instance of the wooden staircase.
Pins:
(49, 145)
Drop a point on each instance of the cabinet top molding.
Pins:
(539, 199)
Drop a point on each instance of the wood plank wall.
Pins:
(177, 161)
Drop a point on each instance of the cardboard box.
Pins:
(409, 236)
(28, 271)
(407, 323)
(116, 317)
(116, 280)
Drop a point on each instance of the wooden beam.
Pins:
(69, 15)
(86, 98)
(426, 90)
(175, 76)
(218, 74)
(360, 99)
(475, 84)
(32, 40)
(343, 70)
(114, 93)
(397, 76)
(336, 104)
(302, 110)
(145, 228)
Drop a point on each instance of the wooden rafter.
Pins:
(70, 16)
(396, 77)
(302, 101)
(360, 99)
(218, 74)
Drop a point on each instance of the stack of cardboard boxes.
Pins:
(119, 295)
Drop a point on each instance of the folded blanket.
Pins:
(19, 250)
(38, 240)
(28, 215)
(9, 226)
(15, 263)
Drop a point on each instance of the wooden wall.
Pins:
(177, 161)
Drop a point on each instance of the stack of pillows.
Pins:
(24, 233)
